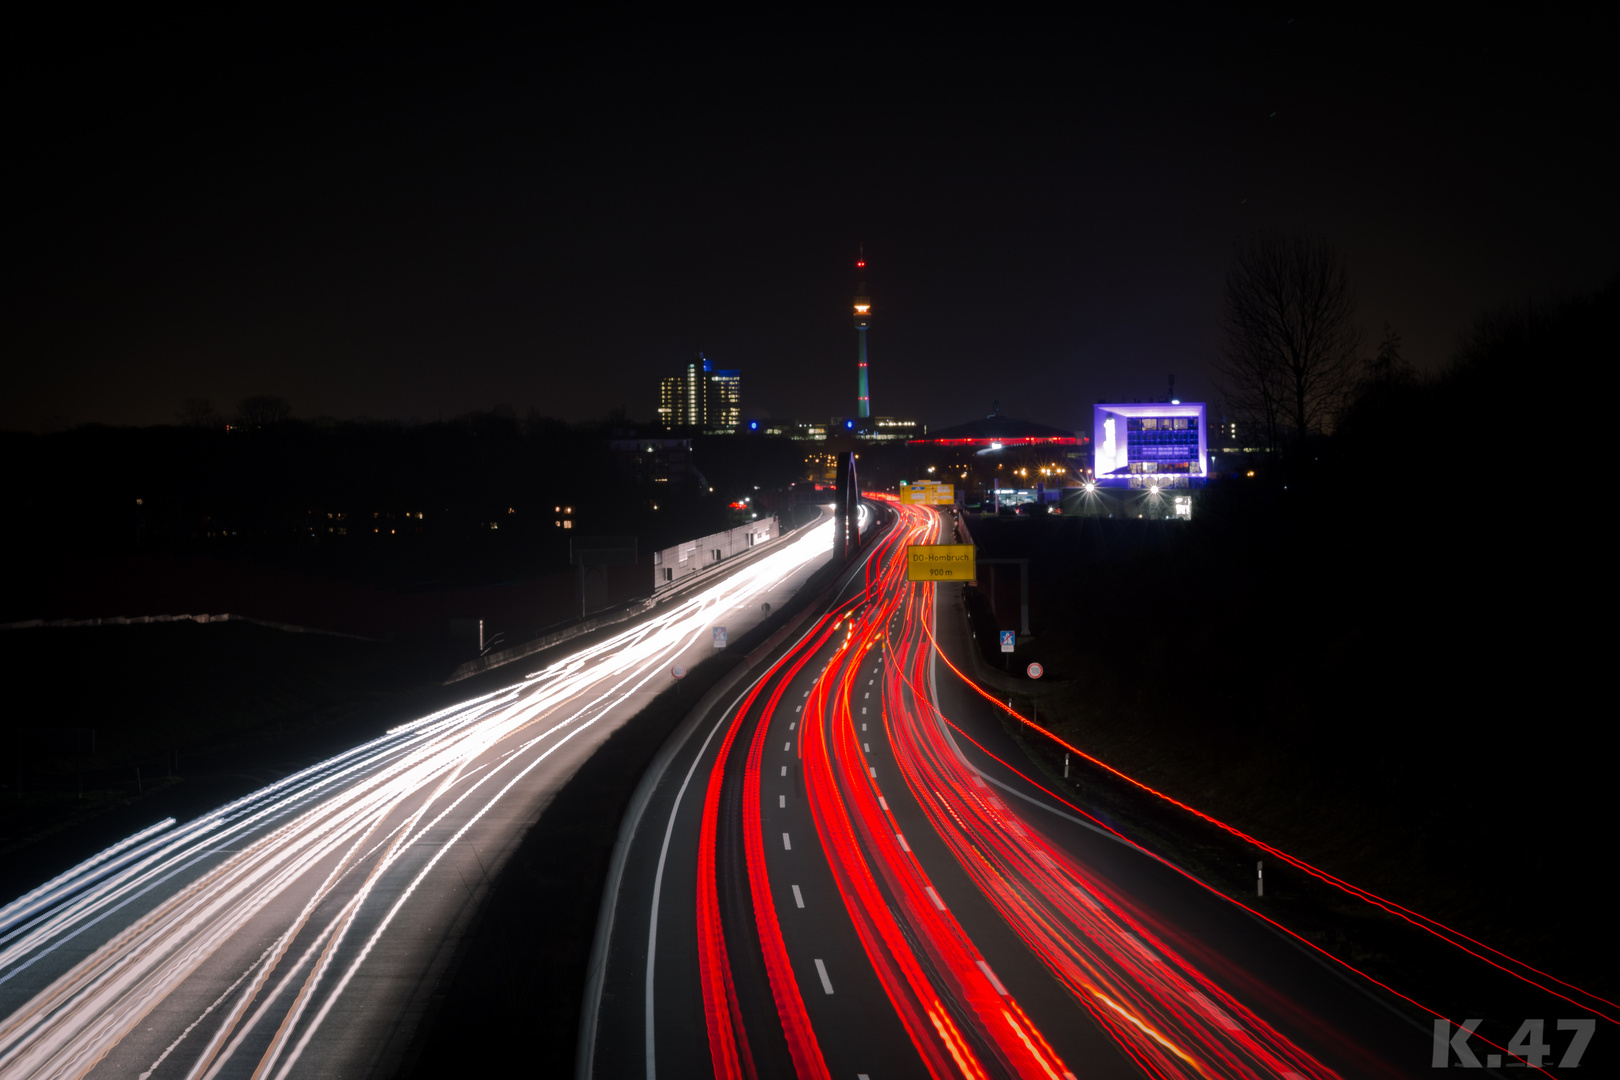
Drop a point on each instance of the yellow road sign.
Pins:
(928, 493)
(939, 562)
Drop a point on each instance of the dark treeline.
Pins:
(1383, 650)
(476, 497)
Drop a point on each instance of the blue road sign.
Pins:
(719, 637)
(1008, 637)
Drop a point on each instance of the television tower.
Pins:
(863, 319)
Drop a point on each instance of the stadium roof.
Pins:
(998, 429)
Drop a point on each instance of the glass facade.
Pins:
(1158, 445)
(1150, 444)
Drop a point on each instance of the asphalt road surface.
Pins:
(298, 931)
(840, 872)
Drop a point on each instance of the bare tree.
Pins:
(1292, 343)
(263, 410)
(197, 412)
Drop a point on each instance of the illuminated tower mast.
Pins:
(863, 319)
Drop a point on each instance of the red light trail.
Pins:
(1164, 1011)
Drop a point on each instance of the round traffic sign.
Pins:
(678, 671)
(1035, 671)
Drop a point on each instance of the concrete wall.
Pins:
(674, 564)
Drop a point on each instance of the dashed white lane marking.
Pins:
(807, 693)
(868, 747)
(934, 896)
(781, 802)
(793, 725)
(882, 803)
(787, 845)
(786, 747)
(798, 897)
(863, 726)
(903, 845)
(995, 982)
(821, 969)
(784, 770)
(866, 695)
(798, 708)
(870, 682)
(863, 710)
(873, 772)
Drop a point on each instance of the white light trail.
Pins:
(299, 863)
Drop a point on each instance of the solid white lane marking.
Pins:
(995, 982)
(821, 969)
(787, 845)
(934, 896)
(798, 897)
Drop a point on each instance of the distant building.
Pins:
(813, 430)
(701, 397)
(1000, 461)
(1154, 444)
(656, 461)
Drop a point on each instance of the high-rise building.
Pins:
(701, 397)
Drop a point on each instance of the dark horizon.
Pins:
(423, 220)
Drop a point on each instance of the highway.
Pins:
(298, 931)
(841, 872)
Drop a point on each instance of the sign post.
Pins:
(1035, 671)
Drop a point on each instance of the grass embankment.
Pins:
(1390, 696)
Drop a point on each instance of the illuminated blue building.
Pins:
(1150, 445)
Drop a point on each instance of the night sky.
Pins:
(416, 219)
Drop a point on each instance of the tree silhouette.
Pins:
(1388, 368)
(262, 411)
(197, 412)
(1292, 343)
